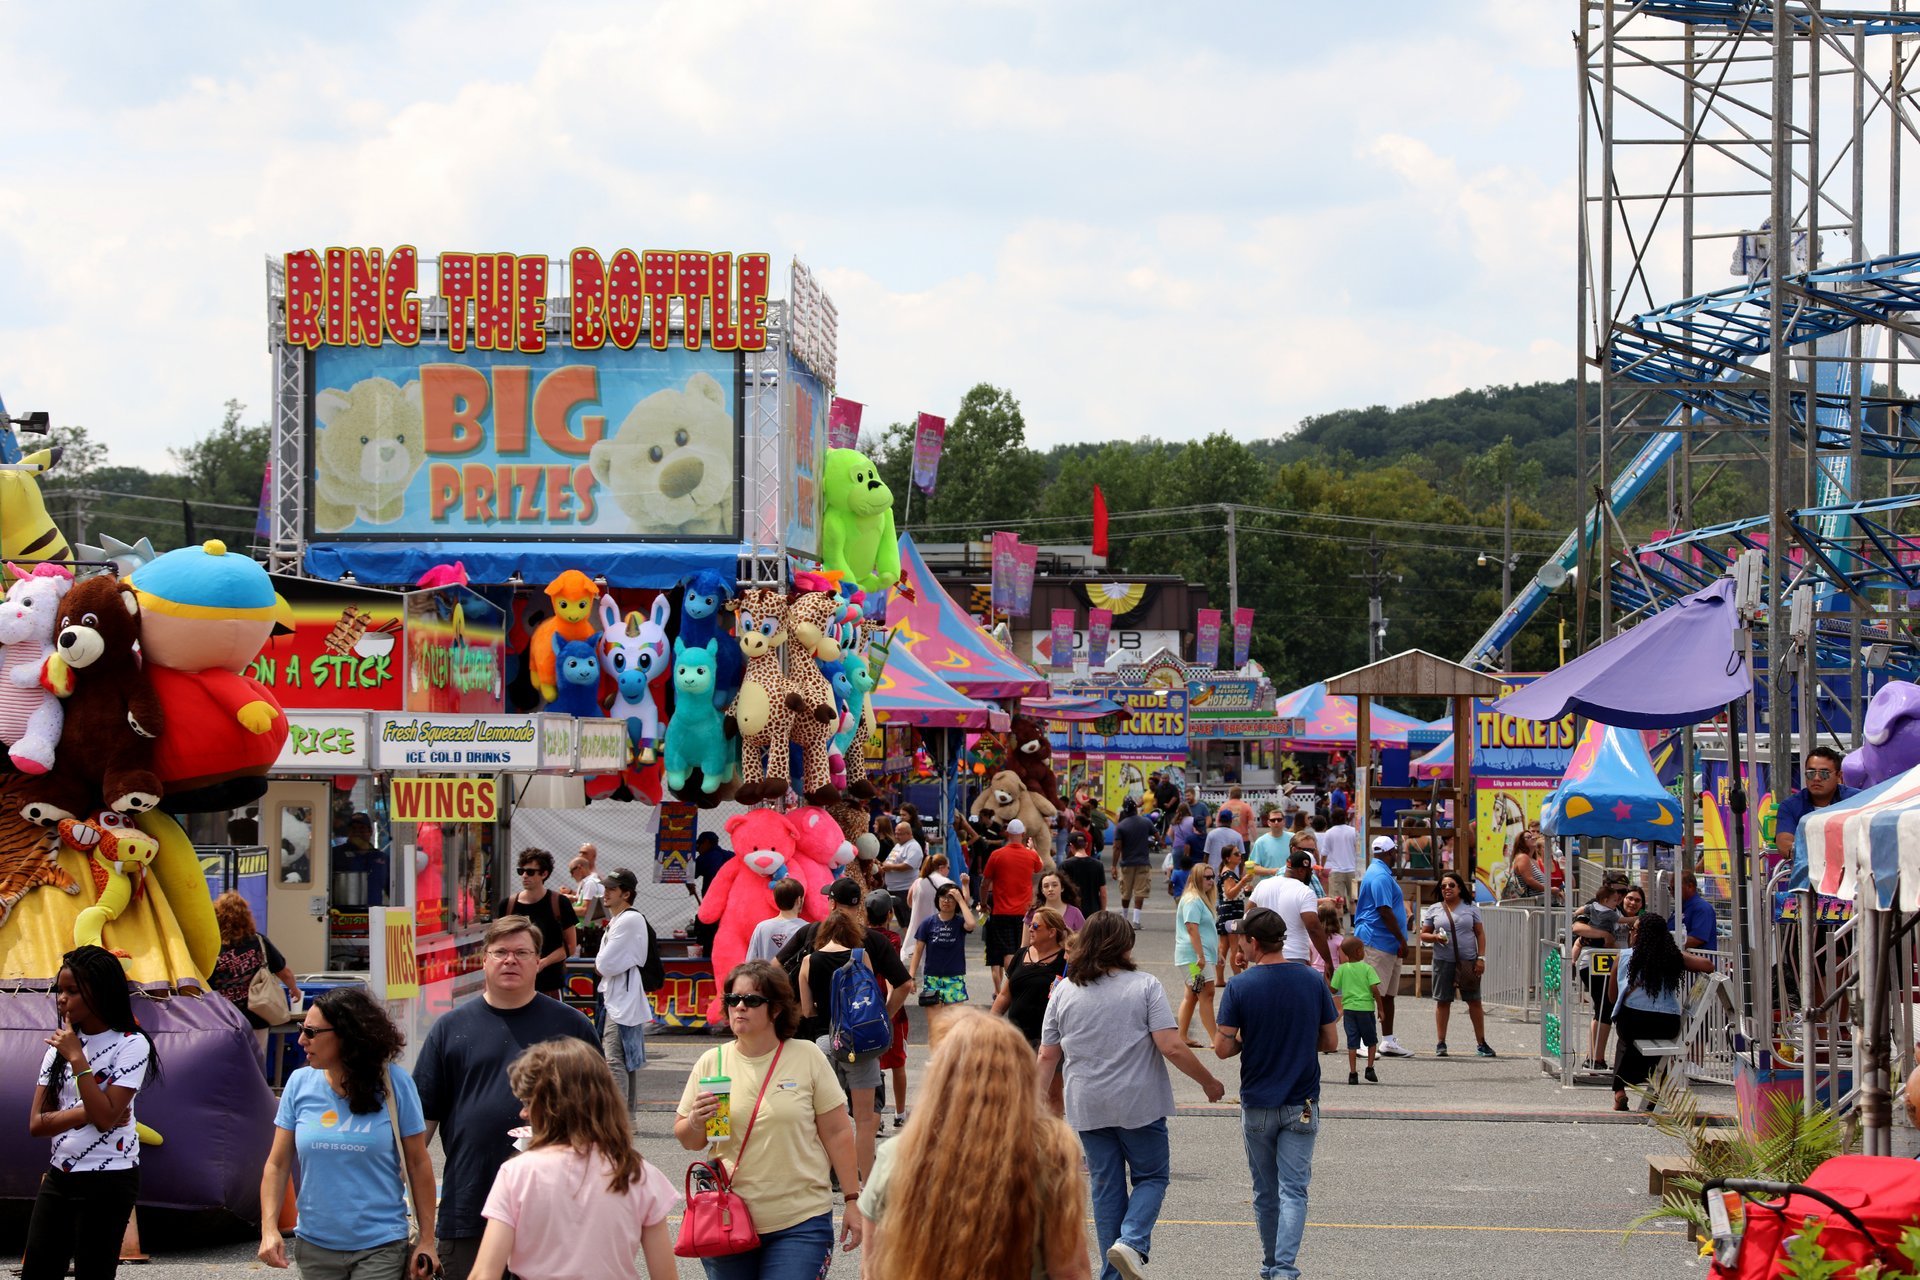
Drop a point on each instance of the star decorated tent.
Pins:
(1333, 719)
(910, 694)
(1611, 790)
(946, 639)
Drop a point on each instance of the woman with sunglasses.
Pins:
(344, 1114)
(552, 912)
(1196, 946)
(784, 1088)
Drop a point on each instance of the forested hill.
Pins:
(1538, 418)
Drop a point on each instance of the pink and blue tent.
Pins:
(1437, 763)
(909, 693)
(1333, 719)
(945, 638)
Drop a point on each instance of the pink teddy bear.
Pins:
(742, 893)
(823, 848)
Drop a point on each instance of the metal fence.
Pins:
(1512, 979)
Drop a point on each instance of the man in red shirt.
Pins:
(1009, 878)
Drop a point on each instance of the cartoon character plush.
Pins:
(741, 895)
(703, 606)
(856, 522)
(1005, 798)
(27, 532)
(118, 854)
(669, 467)
(204, 617)
(30, 717)
(112, 715)
(1030, 754)
(577, 663)
(809, 696)
(370, 445)
(572, 594)
(1890, 736)
(634, 653)
(760, 711)
(821, 848)
(696, 738)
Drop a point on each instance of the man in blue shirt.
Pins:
(1697, 919)
(1380, 920)
(1280, 1017)
(1821, 776)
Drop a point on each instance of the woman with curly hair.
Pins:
(245, 951)
(346, 1112)
(1649, 983)
(979, 1123)
(580, 1201)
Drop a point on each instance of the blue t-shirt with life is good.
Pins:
(1278, 1009)
(350, 1182)
(946, 942)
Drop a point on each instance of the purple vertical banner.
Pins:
(1242, 637)
(263, 521)
(1063, 639)
(843, 423)
(1026, 560)
(1099, 633)
(1005, 553)
(929, 438)
(1206, 642)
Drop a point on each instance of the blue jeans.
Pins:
(1113, 1154)
(1280, 1155)
(803, 1251)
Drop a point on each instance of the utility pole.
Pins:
(1506, 570)
(1233, 561)
(1374, 578)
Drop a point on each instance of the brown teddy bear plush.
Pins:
(1006, 798)
(113, 717)
(1030, 754)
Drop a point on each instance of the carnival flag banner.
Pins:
(1063, 639)
(1206, 642)
(929, 438)
(1026, 559)
(1005, 554)
(1099, 633)
(843, 423)
(1242, 637)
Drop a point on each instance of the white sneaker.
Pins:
(1390, 1048)
(1127, 1261)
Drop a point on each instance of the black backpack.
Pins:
(653, 974)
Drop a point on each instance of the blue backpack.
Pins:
(859, 1027)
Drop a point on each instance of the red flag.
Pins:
(1099, 523)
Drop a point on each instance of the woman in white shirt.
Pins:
(622, 952)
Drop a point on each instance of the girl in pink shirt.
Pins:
(579, 1201)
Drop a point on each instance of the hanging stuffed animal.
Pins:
(809, 696)
(741, 895)
(573, 594)
(30, 717)
(821, 849)
(695, 736)
(760, 711)
(856, 522)
(577, 665)
(859, 727)
(118, 854)
(703, 609)
(1030, 754)
(836, 674)
(634, 653)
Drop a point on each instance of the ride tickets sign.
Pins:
(470, 424)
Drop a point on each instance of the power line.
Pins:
(1030, 522)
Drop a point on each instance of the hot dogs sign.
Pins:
(493, 411)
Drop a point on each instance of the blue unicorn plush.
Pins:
(695, 738)
(577, 663)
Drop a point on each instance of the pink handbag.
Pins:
(716, 1223)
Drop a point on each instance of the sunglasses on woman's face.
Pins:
(746, 1000)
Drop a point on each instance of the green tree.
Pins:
(987, 474)
(226, 464)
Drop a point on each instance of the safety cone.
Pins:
(130, 1250)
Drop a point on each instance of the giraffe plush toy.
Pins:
(809, 699)
(761, 711)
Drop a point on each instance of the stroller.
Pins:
(1862, 1203)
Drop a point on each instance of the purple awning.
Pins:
(1677, 668)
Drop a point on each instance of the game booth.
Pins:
(557, 551)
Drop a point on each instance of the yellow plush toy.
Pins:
(670, 465)
(372, 445)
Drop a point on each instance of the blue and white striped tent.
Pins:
(1877, 831)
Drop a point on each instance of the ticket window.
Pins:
(294, 826)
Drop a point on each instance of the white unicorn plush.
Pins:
(634, 652)
(30, 716)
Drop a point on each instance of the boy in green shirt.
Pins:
(1355, 988)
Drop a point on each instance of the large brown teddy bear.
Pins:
(1030, 754)
(113, 717)
(1006, 798)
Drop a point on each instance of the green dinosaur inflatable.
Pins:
(856, 523)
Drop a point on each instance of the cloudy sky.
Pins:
(1141, 218)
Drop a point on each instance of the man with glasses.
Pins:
(552, 916)
(1269, 854)
(462, 1078)
(1821, 774)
